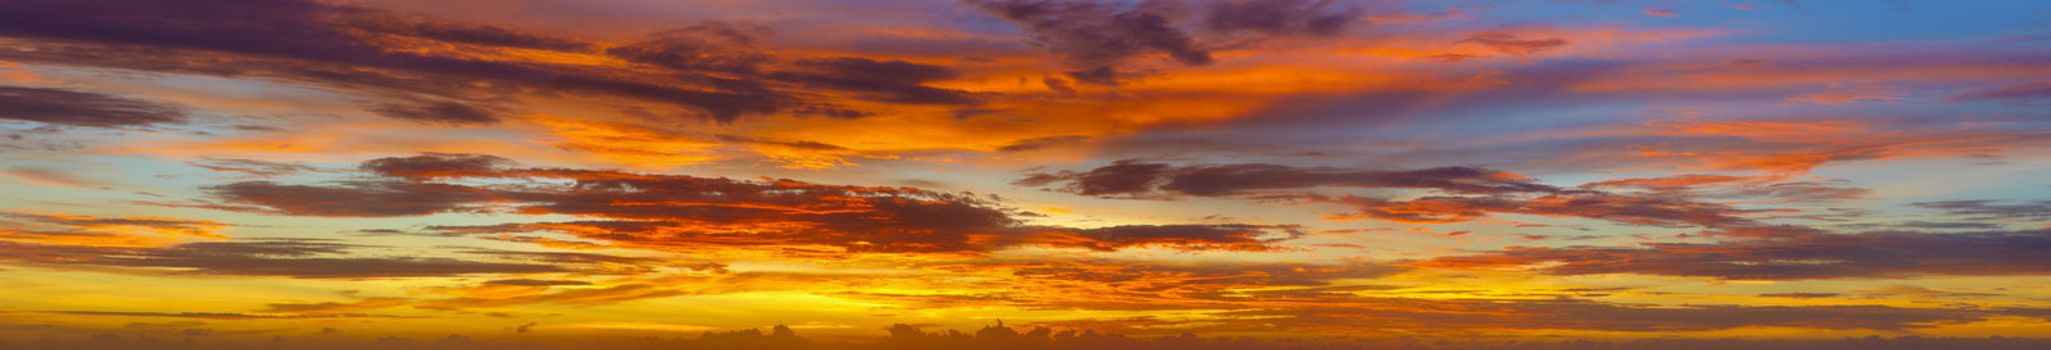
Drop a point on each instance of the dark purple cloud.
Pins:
(81, 108)
(2025, 92)
(1099, 34)
(709, 70)
(438, 112)
(1306, 17)
(1142, 178)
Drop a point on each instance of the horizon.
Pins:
(877, 174)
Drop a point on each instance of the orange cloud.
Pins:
(80, 230)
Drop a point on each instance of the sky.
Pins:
(1075, 174)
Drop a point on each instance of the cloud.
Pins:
(51, 177)
(1099, 39)
(1041, 143)
(81, 230)
(727, 49)
(252, 168)
(208, 315)
(1106, 284)
(438, 112)
(1983, 209)
(1589, 315)
(1190, 237)
(1949, 225)
(1099, 35)
(687, 212)
(536, 283)
(352, 199)
(1775, 148)
(1920, 293)
(331, 308)
(1512, 44)
(1047, 336)
(324, 42)
(296, 258)
(1800, 295)
(437, 165)
(709, 46)
(1627, 209)
(1838, 94)
(81, 108)
(1791, 256)
(2025, 92)
(445, 31)
(305, 259)
(1133, 177)
(1304, 17)
(885, 81)
(1462, 193)
(428, 69)
(1772, 189)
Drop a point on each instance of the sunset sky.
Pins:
(223, 172)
